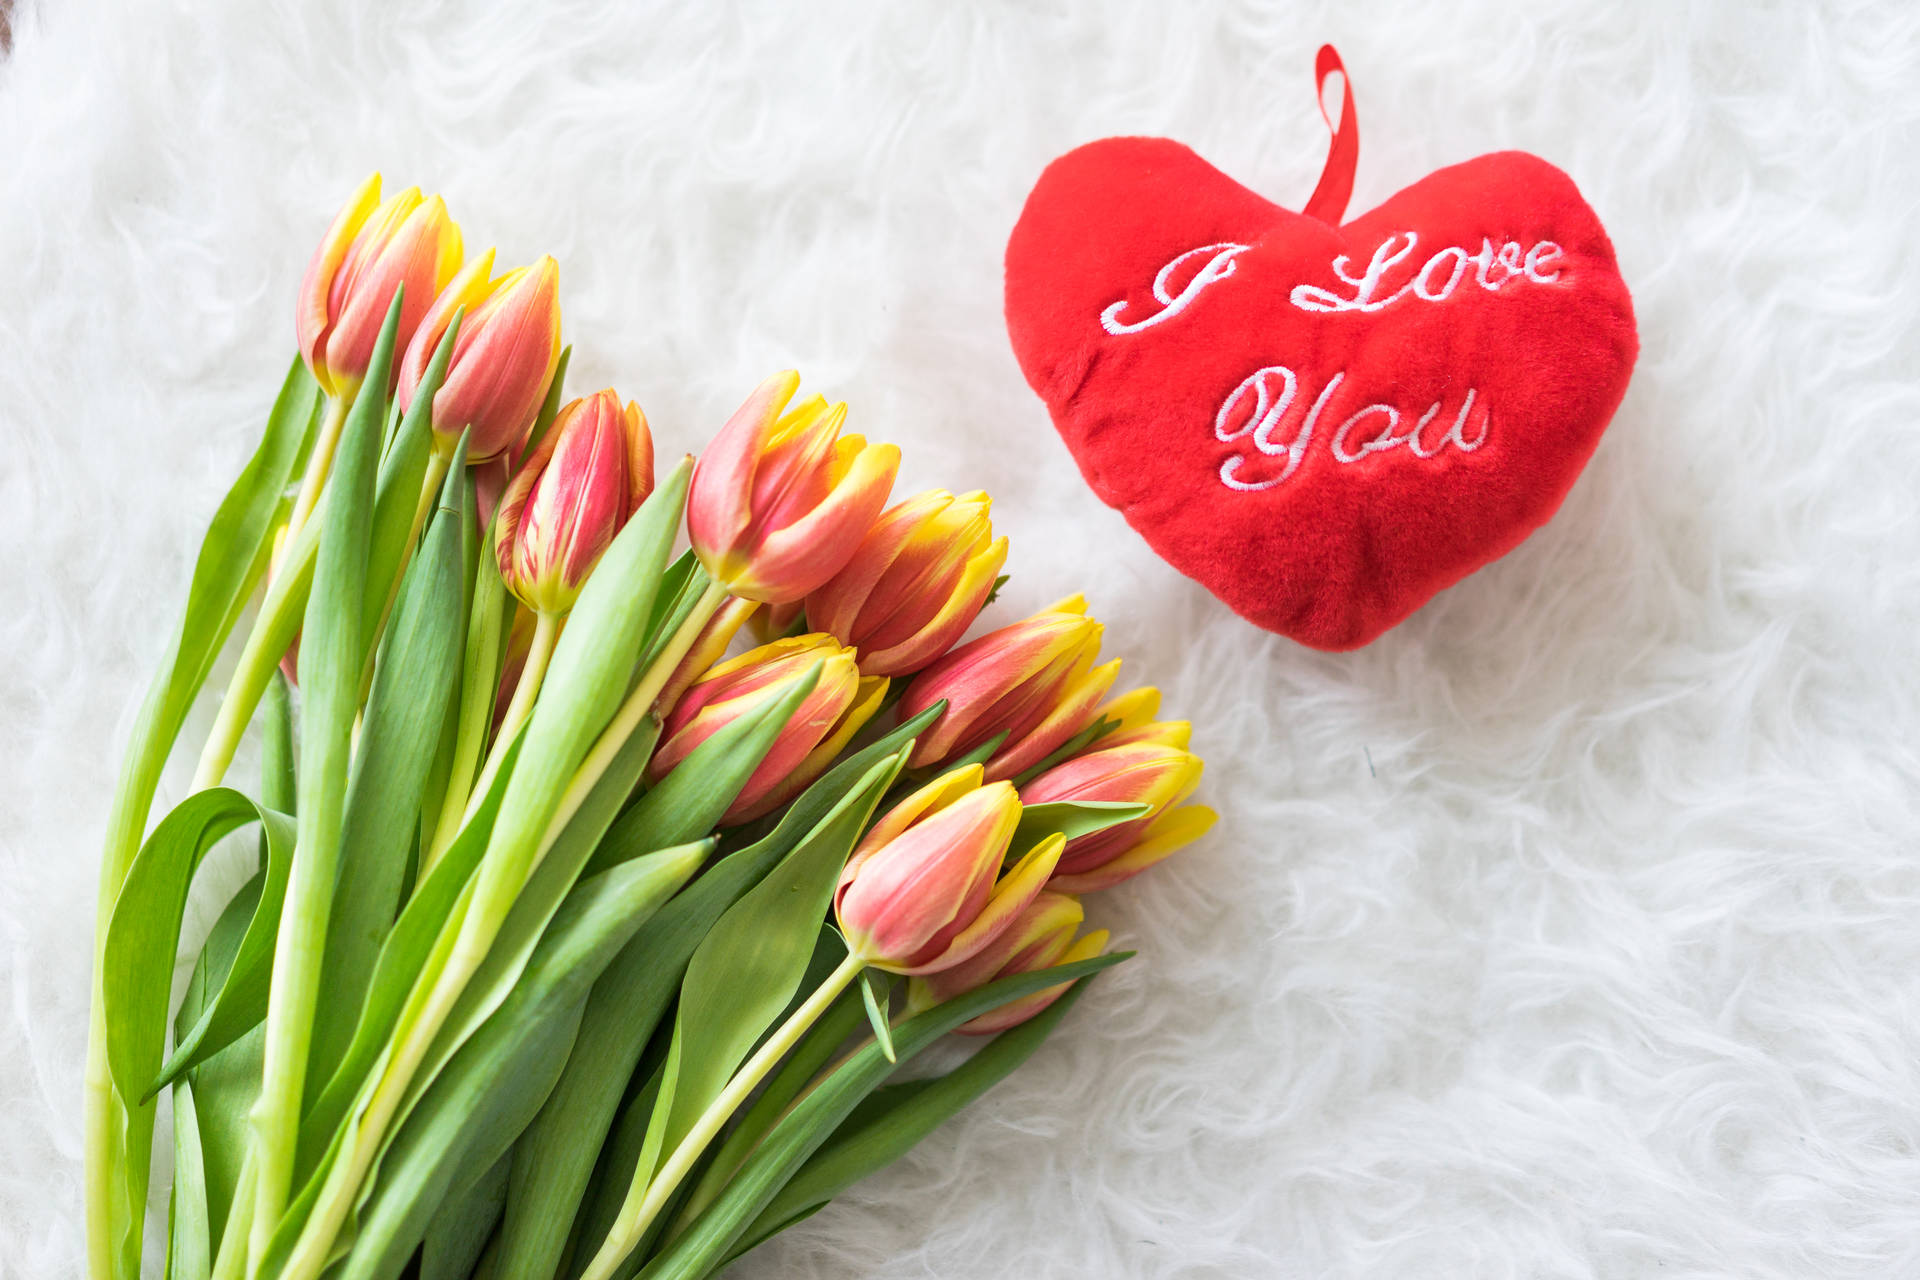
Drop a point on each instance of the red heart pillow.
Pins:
(1323, 423)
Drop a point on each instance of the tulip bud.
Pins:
(1033, 681)
(562, 509)
(1130, 719)
(915, 583)
(923, 891)
(372, 249)
(827, 718)
(779, 502)
(508, 348)
(1149, 773)
(1040, 937)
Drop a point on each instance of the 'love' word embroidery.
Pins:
(1436, 280)
(1274, 395)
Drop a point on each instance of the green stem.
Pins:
(546, 632)
(804, 1067)
(427, 1010)
(319, 463)
(107, 1113)
(638, 1213)
(273, 631)
(230, 1262)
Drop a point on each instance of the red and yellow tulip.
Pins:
(564, 506)
(780, 500)
(923, 891)
(827, 718)
(372, 249)
(1034, 682)
(915, 584)
(508, 347)
(1150, 773)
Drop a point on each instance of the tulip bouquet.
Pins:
(575, 947)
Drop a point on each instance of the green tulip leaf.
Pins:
(144, 933)
(892, 1119)
(1069, 818)
(412, 688)
(462, 1226)
(555, 1157)
(815, 1118)
(488, 1092)
(402, 956)
(233, 557)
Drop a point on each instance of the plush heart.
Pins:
(1323, 423)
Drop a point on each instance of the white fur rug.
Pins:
(1572, 929)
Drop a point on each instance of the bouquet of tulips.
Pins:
(576, 947)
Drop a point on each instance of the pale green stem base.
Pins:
(277, 623)
(319, 463)
(639, 1211)
(546, 631)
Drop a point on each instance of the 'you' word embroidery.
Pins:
(1266, 405)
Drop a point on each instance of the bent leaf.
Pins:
(144, 933)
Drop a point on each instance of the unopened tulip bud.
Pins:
(508, 348)
(915, 584)
(827, 718)
(1130, 719)
(923, 891)
(1149, 773)
(780, 501)
(564, 506)
(1033, 682)
(1040, 937)
(371, 250)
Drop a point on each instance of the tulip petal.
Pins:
(1008, 899)
(717, 508)
(1015, 1012)
(1167, 835)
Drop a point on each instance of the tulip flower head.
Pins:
(915, 584)
(508, 348)
(780, 500)
(923, 891)
(827, 718)
(372, 249)
(1150, 773)
(564, 506)
(1040, 937)
(1034, 682)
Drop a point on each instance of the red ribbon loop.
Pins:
(1328, 202)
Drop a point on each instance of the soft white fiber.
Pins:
(1570, 930)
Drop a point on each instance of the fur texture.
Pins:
(1570, 930)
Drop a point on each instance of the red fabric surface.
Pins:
(1337, 551)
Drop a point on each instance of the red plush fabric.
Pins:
(1327, 536)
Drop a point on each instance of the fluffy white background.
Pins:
(1572, 929)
